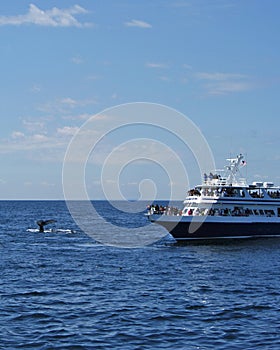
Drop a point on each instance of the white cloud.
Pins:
(54, 17)
(84, 116)
(17, 135)
(39, 138)
(67, 130)
(164, 78)
(77, 60)
(47, 184)
(34, 125)
(224, 83)
(156, 65)
(64, 105)
(223, 88)
(35, 88)
(219, 76)
(69, 102)
(137, 23)
(187, 66)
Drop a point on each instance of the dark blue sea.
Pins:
(62, 289)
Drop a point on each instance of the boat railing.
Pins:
(209, 211)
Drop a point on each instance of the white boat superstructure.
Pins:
(226, 206)
(230, 195)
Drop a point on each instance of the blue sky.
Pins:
(216, 61)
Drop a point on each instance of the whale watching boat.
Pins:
(223, 206)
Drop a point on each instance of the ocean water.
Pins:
(63, 290)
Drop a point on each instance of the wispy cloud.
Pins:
(219, 76)
(65, 104)
(187, 66)
(225, 88)
(34, 125)
(218, 83)
(77, 117)
(47, 184)
(72, 103)
(17, 135)
(180, 4)
(164, 78)
(54, 17)
(67, 130)
(77, 60)
(35, 88)
(38, 146)
(137, 23)
(156, 65)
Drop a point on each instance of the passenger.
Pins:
(205, 177)
(226, 212)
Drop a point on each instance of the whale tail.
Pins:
(43, 223)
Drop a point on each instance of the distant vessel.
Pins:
(224, 206)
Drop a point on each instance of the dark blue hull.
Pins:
(210, 230)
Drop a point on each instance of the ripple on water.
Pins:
(65, 291)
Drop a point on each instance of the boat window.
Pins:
(278, 211)
(256, 193)
(261, 212)
(237, 211)
(209, 192)
(194, 192)
(273, 193)
(231, 192)
(248, 212)
(269, 212)
(256, 212)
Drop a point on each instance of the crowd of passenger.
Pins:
(161, 210)
(274, 194)
(219, 212)
(237, 211)
(217, 192)
(230, 192)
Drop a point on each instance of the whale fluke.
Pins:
(42, 223)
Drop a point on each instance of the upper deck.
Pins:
(228, 184)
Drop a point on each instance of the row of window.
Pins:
(232, 192)
(236, 211)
